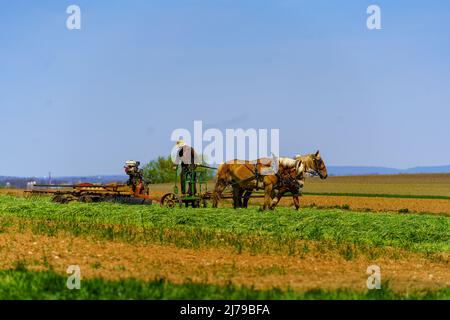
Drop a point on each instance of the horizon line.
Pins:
(335, 166)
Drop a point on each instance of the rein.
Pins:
(314, 172)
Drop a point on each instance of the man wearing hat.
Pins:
(188, 159)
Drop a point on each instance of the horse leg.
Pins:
(296, 201)
(218, 189)
(276, 201)
(296, 191)
(247, 195)
(236, 197)
(267, 196)
(239, 195)
(243, 200)
(298, 194)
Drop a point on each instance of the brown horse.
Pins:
(291, 182)
(312, 164)
(251, 175)
(289, 179)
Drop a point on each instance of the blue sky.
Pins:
(82, 102)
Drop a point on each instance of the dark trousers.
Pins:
(188, 175)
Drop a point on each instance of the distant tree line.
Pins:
(161, 170)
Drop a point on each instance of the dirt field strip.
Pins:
(12, 192)
(378, 204)
(116, 260)
(430, 206)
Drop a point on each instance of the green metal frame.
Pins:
(201, 183)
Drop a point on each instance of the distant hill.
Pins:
(360, 170)
(440, 169)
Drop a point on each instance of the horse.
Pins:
(289, 179)
(250, 175)
(312, 164)
(291, 182)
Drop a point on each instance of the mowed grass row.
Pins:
(23, 285)
(194, 227)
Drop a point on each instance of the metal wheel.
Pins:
(86, 199)
(63, 198)
(57, 198)
(170, 200)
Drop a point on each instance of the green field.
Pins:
(205, 226)
(283, 232)
(19, 284)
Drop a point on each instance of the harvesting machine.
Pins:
(135, 191)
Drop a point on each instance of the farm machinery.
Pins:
(196, 184)
(135, 191)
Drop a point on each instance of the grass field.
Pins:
(152, 252)
(19, 284)
(418, 193)
(400, 184)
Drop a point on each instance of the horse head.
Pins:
(319, 165)
(313, 163)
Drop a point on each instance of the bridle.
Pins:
(318, 164)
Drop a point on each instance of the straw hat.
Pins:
(180, 143)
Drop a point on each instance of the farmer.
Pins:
(188, 159)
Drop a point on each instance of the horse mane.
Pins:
(309, 156)
(287, 162)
